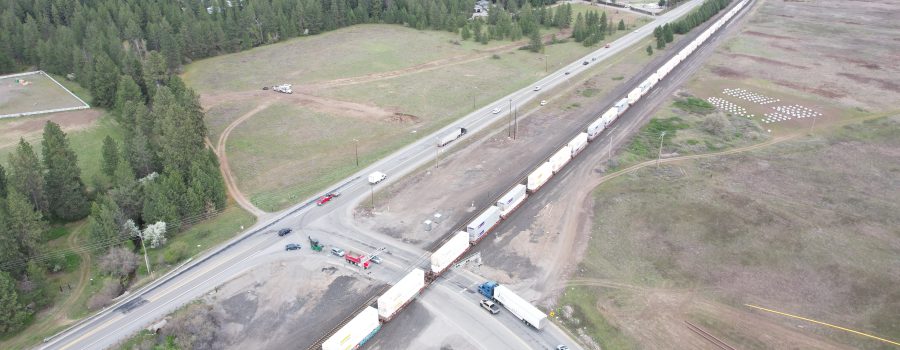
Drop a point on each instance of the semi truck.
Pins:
(514, 303)
(453, 135)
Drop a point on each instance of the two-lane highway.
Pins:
(144, 306)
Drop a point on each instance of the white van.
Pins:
(376, 177)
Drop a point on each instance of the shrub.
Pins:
(695, 105)
(176, 252)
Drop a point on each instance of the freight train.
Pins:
(360, 328)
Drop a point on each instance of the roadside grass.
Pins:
(582, 301)
(758, 228)
(194, 240)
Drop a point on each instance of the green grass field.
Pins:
(347, 52)
(287, 152)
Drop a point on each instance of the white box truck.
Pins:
(519, 307)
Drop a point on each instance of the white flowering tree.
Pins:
(155, 234)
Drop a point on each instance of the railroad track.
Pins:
(709, 337)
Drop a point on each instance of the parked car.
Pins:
(562, 347)
(324, 199)
(292, 246)
(537, 88)
(490, 306)
(607, 46)
(376, 259)
(284, 232)
(585, 63)
(567, 73)
(543, 102)
(335, 194)
(496, 110)
(337, 252)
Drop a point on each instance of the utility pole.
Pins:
(372, 188)
(811, 126)
(546, 63)
(146, 260)
(516, 123)
(356, 148)
(609, 149)
(437, 153)
(509, 120)
(661, 136)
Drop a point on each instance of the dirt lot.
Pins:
(41, 93)
(288, 303)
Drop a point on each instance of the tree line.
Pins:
(63, 36)
(666, 33)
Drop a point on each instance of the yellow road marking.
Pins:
(95, 330)
(824, 324)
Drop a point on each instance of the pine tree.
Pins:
(465, 33)
(12, 313)
(104, 230)
(2, 182)
(110, 153)
(535, 44)
(27, 176)
(127, 90)
(25, 224)
(103, 81)
(667, 32)
(649, 50)
(66, 193)
(660, 43)
(621, 24)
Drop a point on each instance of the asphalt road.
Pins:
(331, 223)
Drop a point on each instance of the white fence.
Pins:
(84, 105)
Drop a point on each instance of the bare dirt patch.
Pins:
(30, 128)
(285, 304)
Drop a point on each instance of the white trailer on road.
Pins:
(356, 332)
(455, 134)
(519, 307)
(449, 252)
(479, 227)
(400, 294)
(511, 200)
